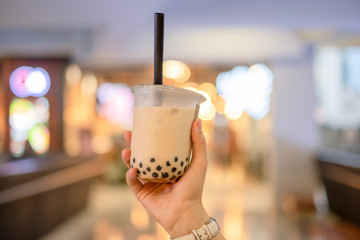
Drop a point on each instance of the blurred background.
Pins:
(282, 116)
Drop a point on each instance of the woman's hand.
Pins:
(177, 207)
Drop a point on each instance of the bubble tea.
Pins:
(160, 144)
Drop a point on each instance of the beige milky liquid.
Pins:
(160, 146)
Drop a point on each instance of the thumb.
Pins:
(199, 158)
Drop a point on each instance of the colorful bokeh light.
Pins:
(115, 103)
(18, 81)
(22, 115)
(28, 123)
(39, 139)
(27, 81)
(28, 118)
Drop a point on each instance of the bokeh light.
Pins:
(219, 103)
(27, 81)
(28, 122)
(73, 74)
(38, 82)
(210, 114)
(207, 108)
(89, 84)
(28, 118)
(41, 109)
(115, 103)
(18, 136)
(22, 115)
(210, 89)
(39, 139)
(246, 89)
(176, 70)
(17, 81)
(231, 83)
(233, 110)
(261, 79)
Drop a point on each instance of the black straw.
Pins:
(158, 48)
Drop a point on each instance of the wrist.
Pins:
(191, 218)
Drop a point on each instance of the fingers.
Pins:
(125, 155)
(199, 159)
(131, 179)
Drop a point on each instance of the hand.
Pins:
(177, 207)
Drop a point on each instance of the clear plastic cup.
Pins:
(160, 143)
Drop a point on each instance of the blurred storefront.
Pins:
(40, 185)
(337, 82)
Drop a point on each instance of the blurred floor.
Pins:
(243, 207)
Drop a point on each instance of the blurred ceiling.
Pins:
(112, 33)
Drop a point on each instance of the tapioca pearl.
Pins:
(144, 172)
(179, 172)
(155, 175)
(158, 168)
(138, 171)
(173, 169)
(164, 175)
(187, 159)
(168, 164)
(178, 178)
(132, 165)
(134, 160)
(182, 163)
(152, 160)
(176, 159)
(172, 178)
(185, 168)
(141, 165)
(148, 169)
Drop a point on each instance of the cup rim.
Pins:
(200, 97)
